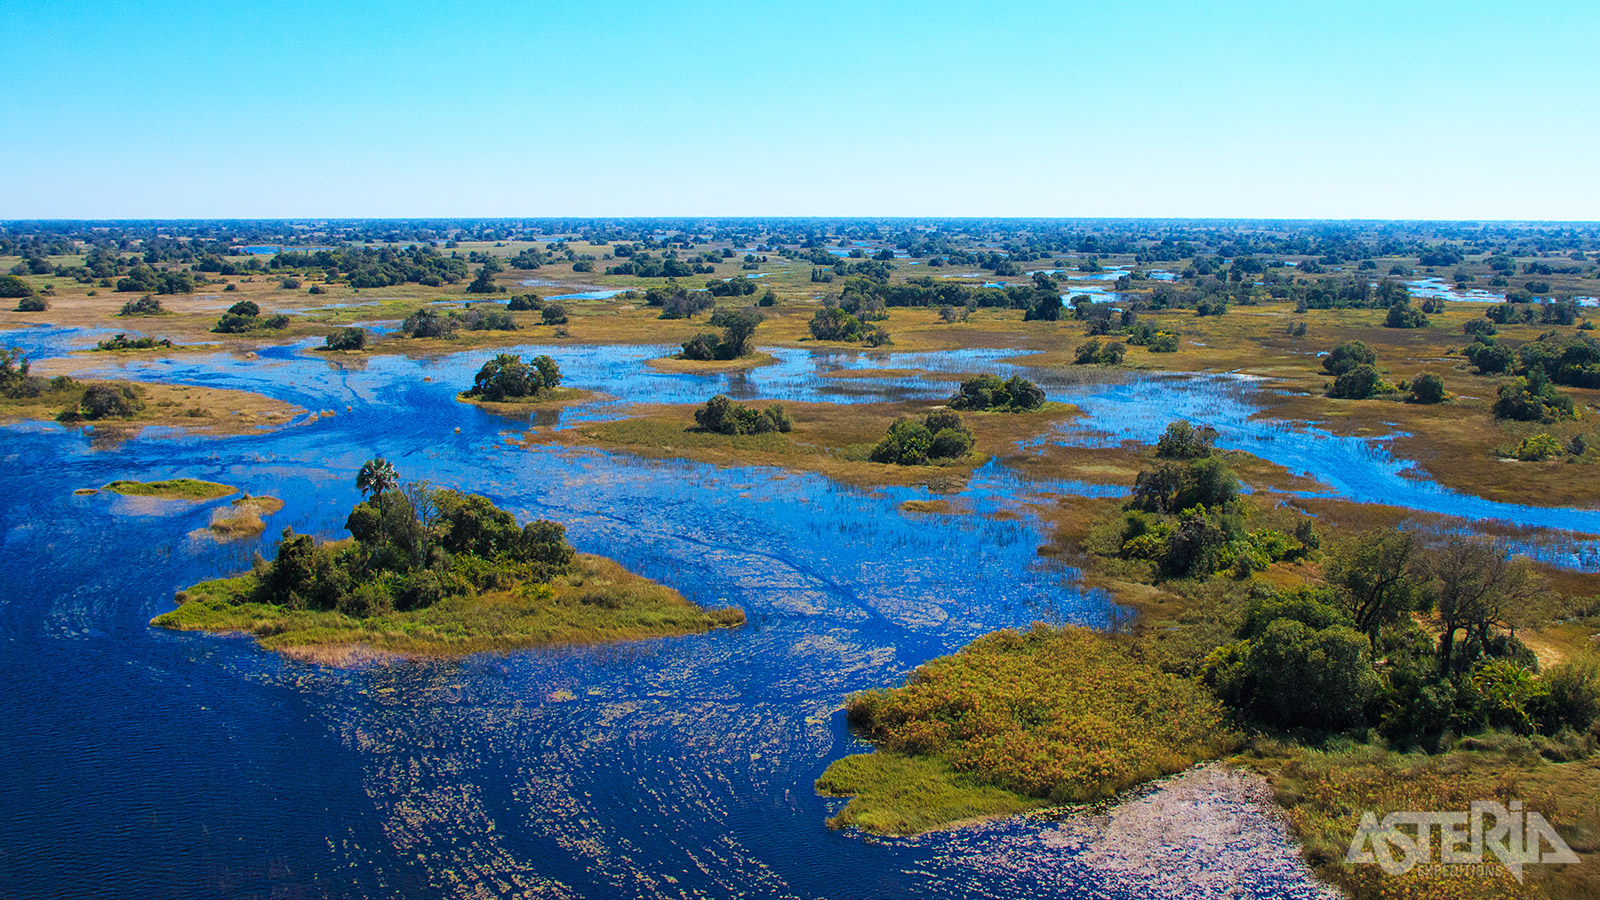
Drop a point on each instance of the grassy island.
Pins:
(431, 572)
(174, 489)
(1016, 720)
(545, 400)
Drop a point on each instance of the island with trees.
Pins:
(432, 571)
(508, 384)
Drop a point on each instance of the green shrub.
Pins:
(723, 415)
(911, 442)
(1538, 448)
(1347, 356)
(1427, 388)
(347, 339)
(988, 392)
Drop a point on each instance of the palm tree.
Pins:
(376, 477)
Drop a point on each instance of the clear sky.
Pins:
(1343, 109)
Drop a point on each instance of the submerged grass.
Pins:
(599, 601)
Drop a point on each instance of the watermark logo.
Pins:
(1401, 841)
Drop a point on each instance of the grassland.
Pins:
(1323, 791)
(216, 411)
(597, 602)
(829, 439)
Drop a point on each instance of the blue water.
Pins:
(140, 762)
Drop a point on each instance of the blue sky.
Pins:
(1138, 108)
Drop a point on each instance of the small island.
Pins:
(733, 351)
(506, 384)
(191, 489)
(435, 572)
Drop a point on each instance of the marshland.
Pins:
(901, 551)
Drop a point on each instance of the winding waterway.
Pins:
(140, 762)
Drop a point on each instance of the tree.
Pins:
(484, 283)
(738, 327)
(1316, 678)
(376, 476)
(1378, 577)
(1479, 584)
(1183, 440)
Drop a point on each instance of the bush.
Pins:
(1295, 675)
(1489, 357)
(347, 339)
(1574, 693)
(913, 442)
(1538, 448)
(1532, 399)
(1357, 383)
(524, 303)
(426, 323)
(700, 347)
(1404, 315)
(1347, 356)
(123, 342)
(490, 320)
(988, 392)
(32, 304)
(1427, 388)
(110, 401)
(144, 306)
(507, 377)
(554, 314)
(13, 288)
(723, 416)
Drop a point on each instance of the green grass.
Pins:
(1325, 791)
(597, 602)
(175, 489)
(664, 434)
(892, 793)
(1016, 719)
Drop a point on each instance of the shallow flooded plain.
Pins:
(148, 763)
